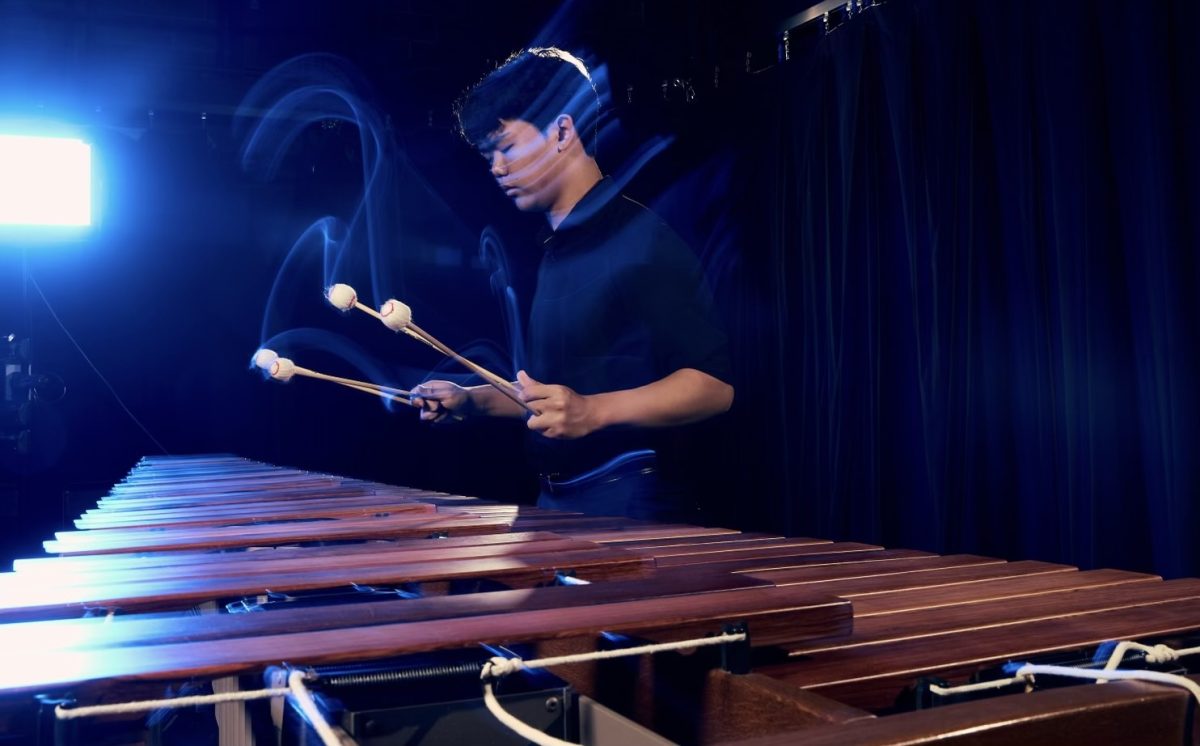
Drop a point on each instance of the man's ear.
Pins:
(564, 130)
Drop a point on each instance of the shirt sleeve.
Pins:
(673, 302)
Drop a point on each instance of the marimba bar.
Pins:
(197, 569)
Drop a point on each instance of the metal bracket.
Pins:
(50, 730)
(735, 656)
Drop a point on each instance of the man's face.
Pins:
(523, 162)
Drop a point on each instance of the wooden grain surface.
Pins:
(24, 601)
(873, 676)
(1126, 713)
(775, 616)
(150, 629)
(395, 526)
(103, 563)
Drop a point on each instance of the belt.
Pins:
(625, 465)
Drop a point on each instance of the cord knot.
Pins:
(1161, 654)
(499, 667)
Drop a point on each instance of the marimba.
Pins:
(201, 573)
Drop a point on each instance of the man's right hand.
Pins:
(442, 400)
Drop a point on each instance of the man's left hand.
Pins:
(561, 411)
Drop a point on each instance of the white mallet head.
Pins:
(283, 369)
(264, 357)
(396, 315)
(341, 296)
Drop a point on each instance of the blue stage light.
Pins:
(45, 181)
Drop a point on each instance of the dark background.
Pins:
(953, 244)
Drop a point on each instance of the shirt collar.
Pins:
(584, 211)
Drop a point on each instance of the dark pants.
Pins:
(629, 485)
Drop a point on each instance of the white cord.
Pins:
(529, 733)
(499, 667)
(982, 686)
(1091, 673)
(295, 688)
(1154, 654)
(495, 668)
(146, 705)
(306, 704)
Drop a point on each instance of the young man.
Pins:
(624, 347)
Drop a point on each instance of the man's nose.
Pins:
(499, 165)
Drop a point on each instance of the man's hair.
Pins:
(534, 85)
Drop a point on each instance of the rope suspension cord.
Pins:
(295, 689)
(148, 705)
(495, 668)
(1154, 654)
(499, 667)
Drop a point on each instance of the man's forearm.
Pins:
(487, 401)
(683, 397)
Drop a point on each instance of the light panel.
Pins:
(45, 181)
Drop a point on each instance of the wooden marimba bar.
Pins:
(841, 635)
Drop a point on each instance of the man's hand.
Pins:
(562, 413)
(440, 400)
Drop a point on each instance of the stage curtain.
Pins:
(971, 322)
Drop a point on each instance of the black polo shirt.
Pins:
(620, 302)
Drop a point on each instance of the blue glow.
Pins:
(45, 181)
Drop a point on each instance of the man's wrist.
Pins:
(474, 405)
(599, 411)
